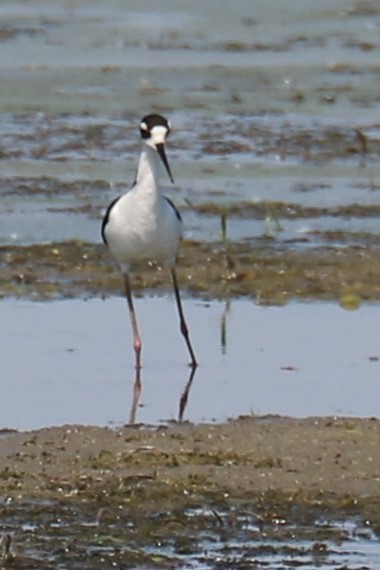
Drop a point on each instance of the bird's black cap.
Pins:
(150, 121)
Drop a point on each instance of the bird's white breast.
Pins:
(142, 227)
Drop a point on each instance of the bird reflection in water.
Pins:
(137, 391)
(183, 401)
(223, 327)
(136, 395)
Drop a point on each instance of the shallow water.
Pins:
(75, 534)
(263, 108)
(72, 362)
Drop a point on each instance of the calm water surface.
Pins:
(72, 362)
(265, 102)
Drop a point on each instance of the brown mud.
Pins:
(209, 270)
(134, 495)
(308, 459)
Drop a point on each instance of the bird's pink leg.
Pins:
(137, 344)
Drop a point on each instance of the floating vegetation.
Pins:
(209, 270)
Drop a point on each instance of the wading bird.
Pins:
(144, 225)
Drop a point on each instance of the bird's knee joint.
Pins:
(184, 329)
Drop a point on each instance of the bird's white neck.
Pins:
(147, 171)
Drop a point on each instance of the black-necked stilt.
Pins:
(144, 225)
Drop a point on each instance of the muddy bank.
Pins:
(79, 494)
(325, 458)
(216, 270)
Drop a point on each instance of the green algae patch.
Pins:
(262, 271)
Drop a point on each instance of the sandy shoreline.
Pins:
(314, 456)
(162, 497)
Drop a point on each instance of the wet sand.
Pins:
(249, 491)
(323, 459)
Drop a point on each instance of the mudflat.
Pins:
(253, 489)
(314, 457)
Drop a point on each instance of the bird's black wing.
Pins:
(174, 208)
(107, 217)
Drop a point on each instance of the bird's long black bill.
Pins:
(161, 151)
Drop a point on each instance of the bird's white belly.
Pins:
(136, 233)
